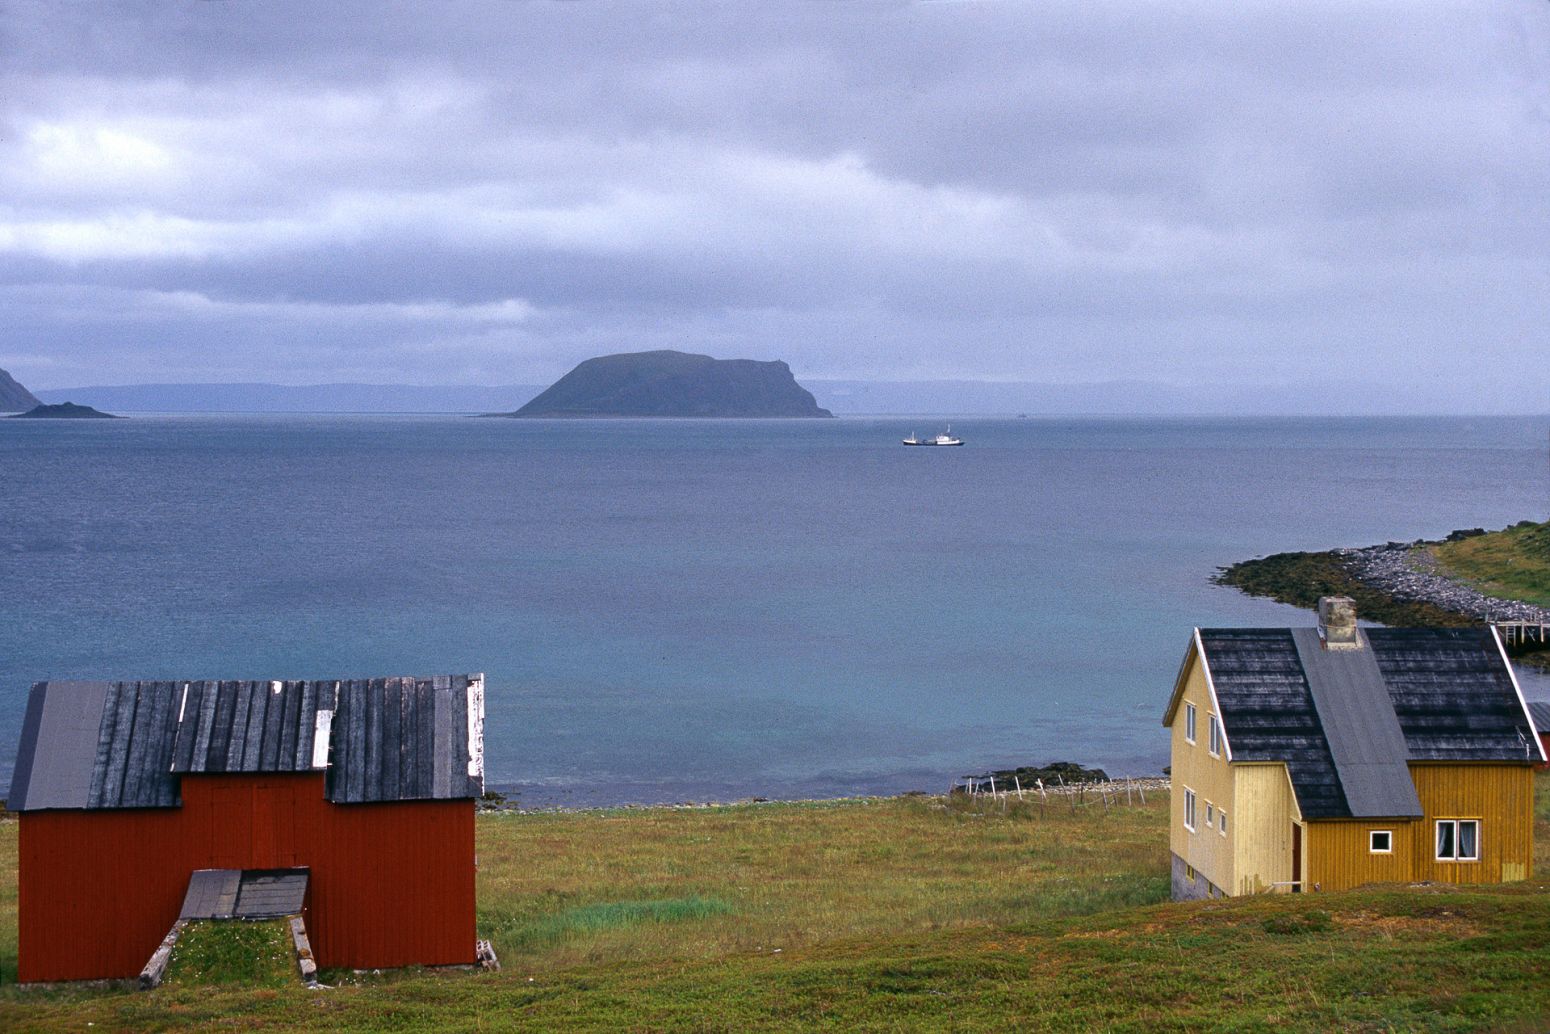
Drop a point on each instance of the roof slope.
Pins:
(126, 744)
(1347, 723)
(1268, 712)
(1359, 725)
(1453, 693)
(1539, 710)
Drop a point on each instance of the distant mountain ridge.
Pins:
(13, 397)
(674, 384)
(290, 398)
(944, 398)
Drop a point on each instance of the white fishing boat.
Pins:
(945, 438)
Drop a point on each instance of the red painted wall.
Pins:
(391, 884)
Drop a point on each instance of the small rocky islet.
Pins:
(65, 411)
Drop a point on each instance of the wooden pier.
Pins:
(1523, 635)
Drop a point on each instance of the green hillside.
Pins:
(1510, 564)
(905, 914)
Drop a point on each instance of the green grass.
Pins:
(233, 952)
(1512, 564)
(908, 915)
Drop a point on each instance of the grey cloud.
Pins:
(1001, 190)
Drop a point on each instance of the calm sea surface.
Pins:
(710, 610)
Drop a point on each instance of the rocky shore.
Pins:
(1398, 584)
(1409, 573)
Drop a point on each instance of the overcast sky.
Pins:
(487, 193)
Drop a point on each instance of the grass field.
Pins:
(1510, 564)
(904, 914)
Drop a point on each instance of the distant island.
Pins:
(13, 397)
(65, 411)
(674, 384)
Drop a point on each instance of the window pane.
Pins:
(1445, 840)
(1468, 834)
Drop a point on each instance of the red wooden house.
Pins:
(1540, 713)
(125, 789)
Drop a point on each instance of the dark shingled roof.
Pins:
(1268, 712)
(1452, 692)
(1539, 710)
(1346, 724)
(126, 744)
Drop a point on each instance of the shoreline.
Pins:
(1396, 583)
(1095, 790)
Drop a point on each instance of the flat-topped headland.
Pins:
(674, 384)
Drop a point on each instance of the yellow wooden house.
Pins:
(1308, 759)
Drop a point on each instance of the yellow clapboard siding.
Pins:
(1500, 796)
(1261, 819)
(1339, 853)
(1195, 768)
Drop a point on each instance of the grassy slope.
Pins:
(899, 915)
(1510, 564)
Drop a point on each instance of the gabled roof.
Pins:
(1347, 723)
(1539, 710)
(90, 745)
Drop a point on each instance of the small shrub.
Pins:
(1313, 921)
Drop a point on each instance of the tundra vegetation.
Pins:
(912, 913)
(1511, 564)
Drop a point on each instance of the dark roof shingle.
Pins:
(1346, 725)
(126, 744)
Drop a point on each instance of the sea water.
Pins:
(690, 610)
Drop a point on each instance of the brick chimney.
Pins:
(1337, 623)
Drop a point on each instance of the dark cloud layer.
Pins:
(490, 192)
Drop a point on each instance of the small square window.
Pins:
(1381, 841)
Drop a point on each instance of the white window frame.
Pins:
(1372, 841)
(1456, 825)
(1221, 820)
(1189, 809)
(1215, 743)
(1189, 722)
(1210, 814)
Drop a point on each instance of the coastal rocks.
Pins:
(1408, 572)
(1055, 774)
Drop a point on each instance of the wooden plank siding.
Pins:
(1260, 827)
(1339, 855)
(392, 884)
(1210, 777)
(1499, 796)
